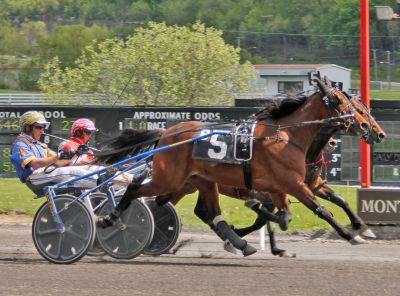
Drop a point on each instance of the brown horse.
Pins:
(280, 146)
(315, 164)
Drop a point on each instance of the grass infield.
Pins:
(16, 197)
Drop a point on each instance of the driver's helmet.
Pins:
(83, 124)
(32, 117)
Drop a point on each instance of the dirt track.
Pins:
(322, 266)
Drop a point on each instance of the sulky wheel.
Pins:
(72, 243)
(167, 227)
(96, 199)
(133, 231)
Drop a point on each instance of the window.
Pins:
(290, 87)
(350, 161)
(385, 156)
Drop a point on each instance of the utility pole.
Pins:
(375, 64)
(389, 68)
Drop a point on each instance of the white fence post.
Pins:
(261, 235)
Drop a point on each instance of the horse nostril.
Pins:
(381, 136)
(364, 126)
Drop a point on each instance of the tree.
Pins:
(67, 42)
(159, 65)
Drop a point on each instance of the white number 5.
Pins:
(215, 143)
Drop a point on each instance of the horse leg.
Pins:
(269, 206)
(252, 201)
(271, 232)
(209, 195)
(281, 201)
(201, 211)
(130, 194)
(357, 223)
(272, 243)
(306, 197)
(264, 214)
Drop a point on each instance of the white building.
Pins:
(275, 79)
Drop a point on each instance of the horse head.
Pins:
(338, 101)
(376, 134)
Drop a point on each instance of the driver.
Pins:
(82, 131)
(30, 157)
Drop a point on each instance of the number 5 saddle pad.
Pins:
(234, 148)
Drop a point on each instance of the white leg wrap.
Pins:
(218, 219)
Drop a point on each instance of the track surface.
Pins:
(201, 267)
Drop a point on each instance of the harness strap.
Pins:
(248, 177)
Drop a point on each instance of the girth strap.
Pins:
(248, 177)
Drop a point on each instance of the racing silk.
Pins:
(24, 150)
(73, 143)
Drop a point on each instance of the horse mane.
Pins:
(278, 108)
(129, 143)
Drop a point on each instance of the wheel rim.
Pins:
(167, 227)
(70, 245)
(129, 242)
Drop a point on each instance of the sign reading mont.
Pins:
(378, 205)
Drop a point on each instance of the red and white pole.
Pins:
(365, 149)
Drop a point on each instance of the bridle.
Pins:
(332, 101)
(370, 118)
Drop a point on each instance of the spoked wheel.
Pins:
(96, 199)
(167, 227)
(131, 234)
(72, 243)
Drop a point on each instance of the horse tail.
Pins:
(129, 143)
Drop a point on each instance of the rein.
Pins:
(150, 141)
(303, 123)
(207, 124)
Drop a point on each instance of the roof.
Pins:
(296, 66)
(288, 66)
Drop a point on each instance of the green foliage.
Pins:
(28, 8)
(9, 41)
(284, 31)
(67, 42)
(159, 65)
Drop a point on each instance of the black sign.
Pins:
(379, 205)
(386, 158)
(312, 75)
(109, 121)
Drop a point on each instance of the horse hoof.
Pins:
(229, 247)
(357, 240)
(248, 250)
(284, 220)
(367, 233)
(286, 254)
